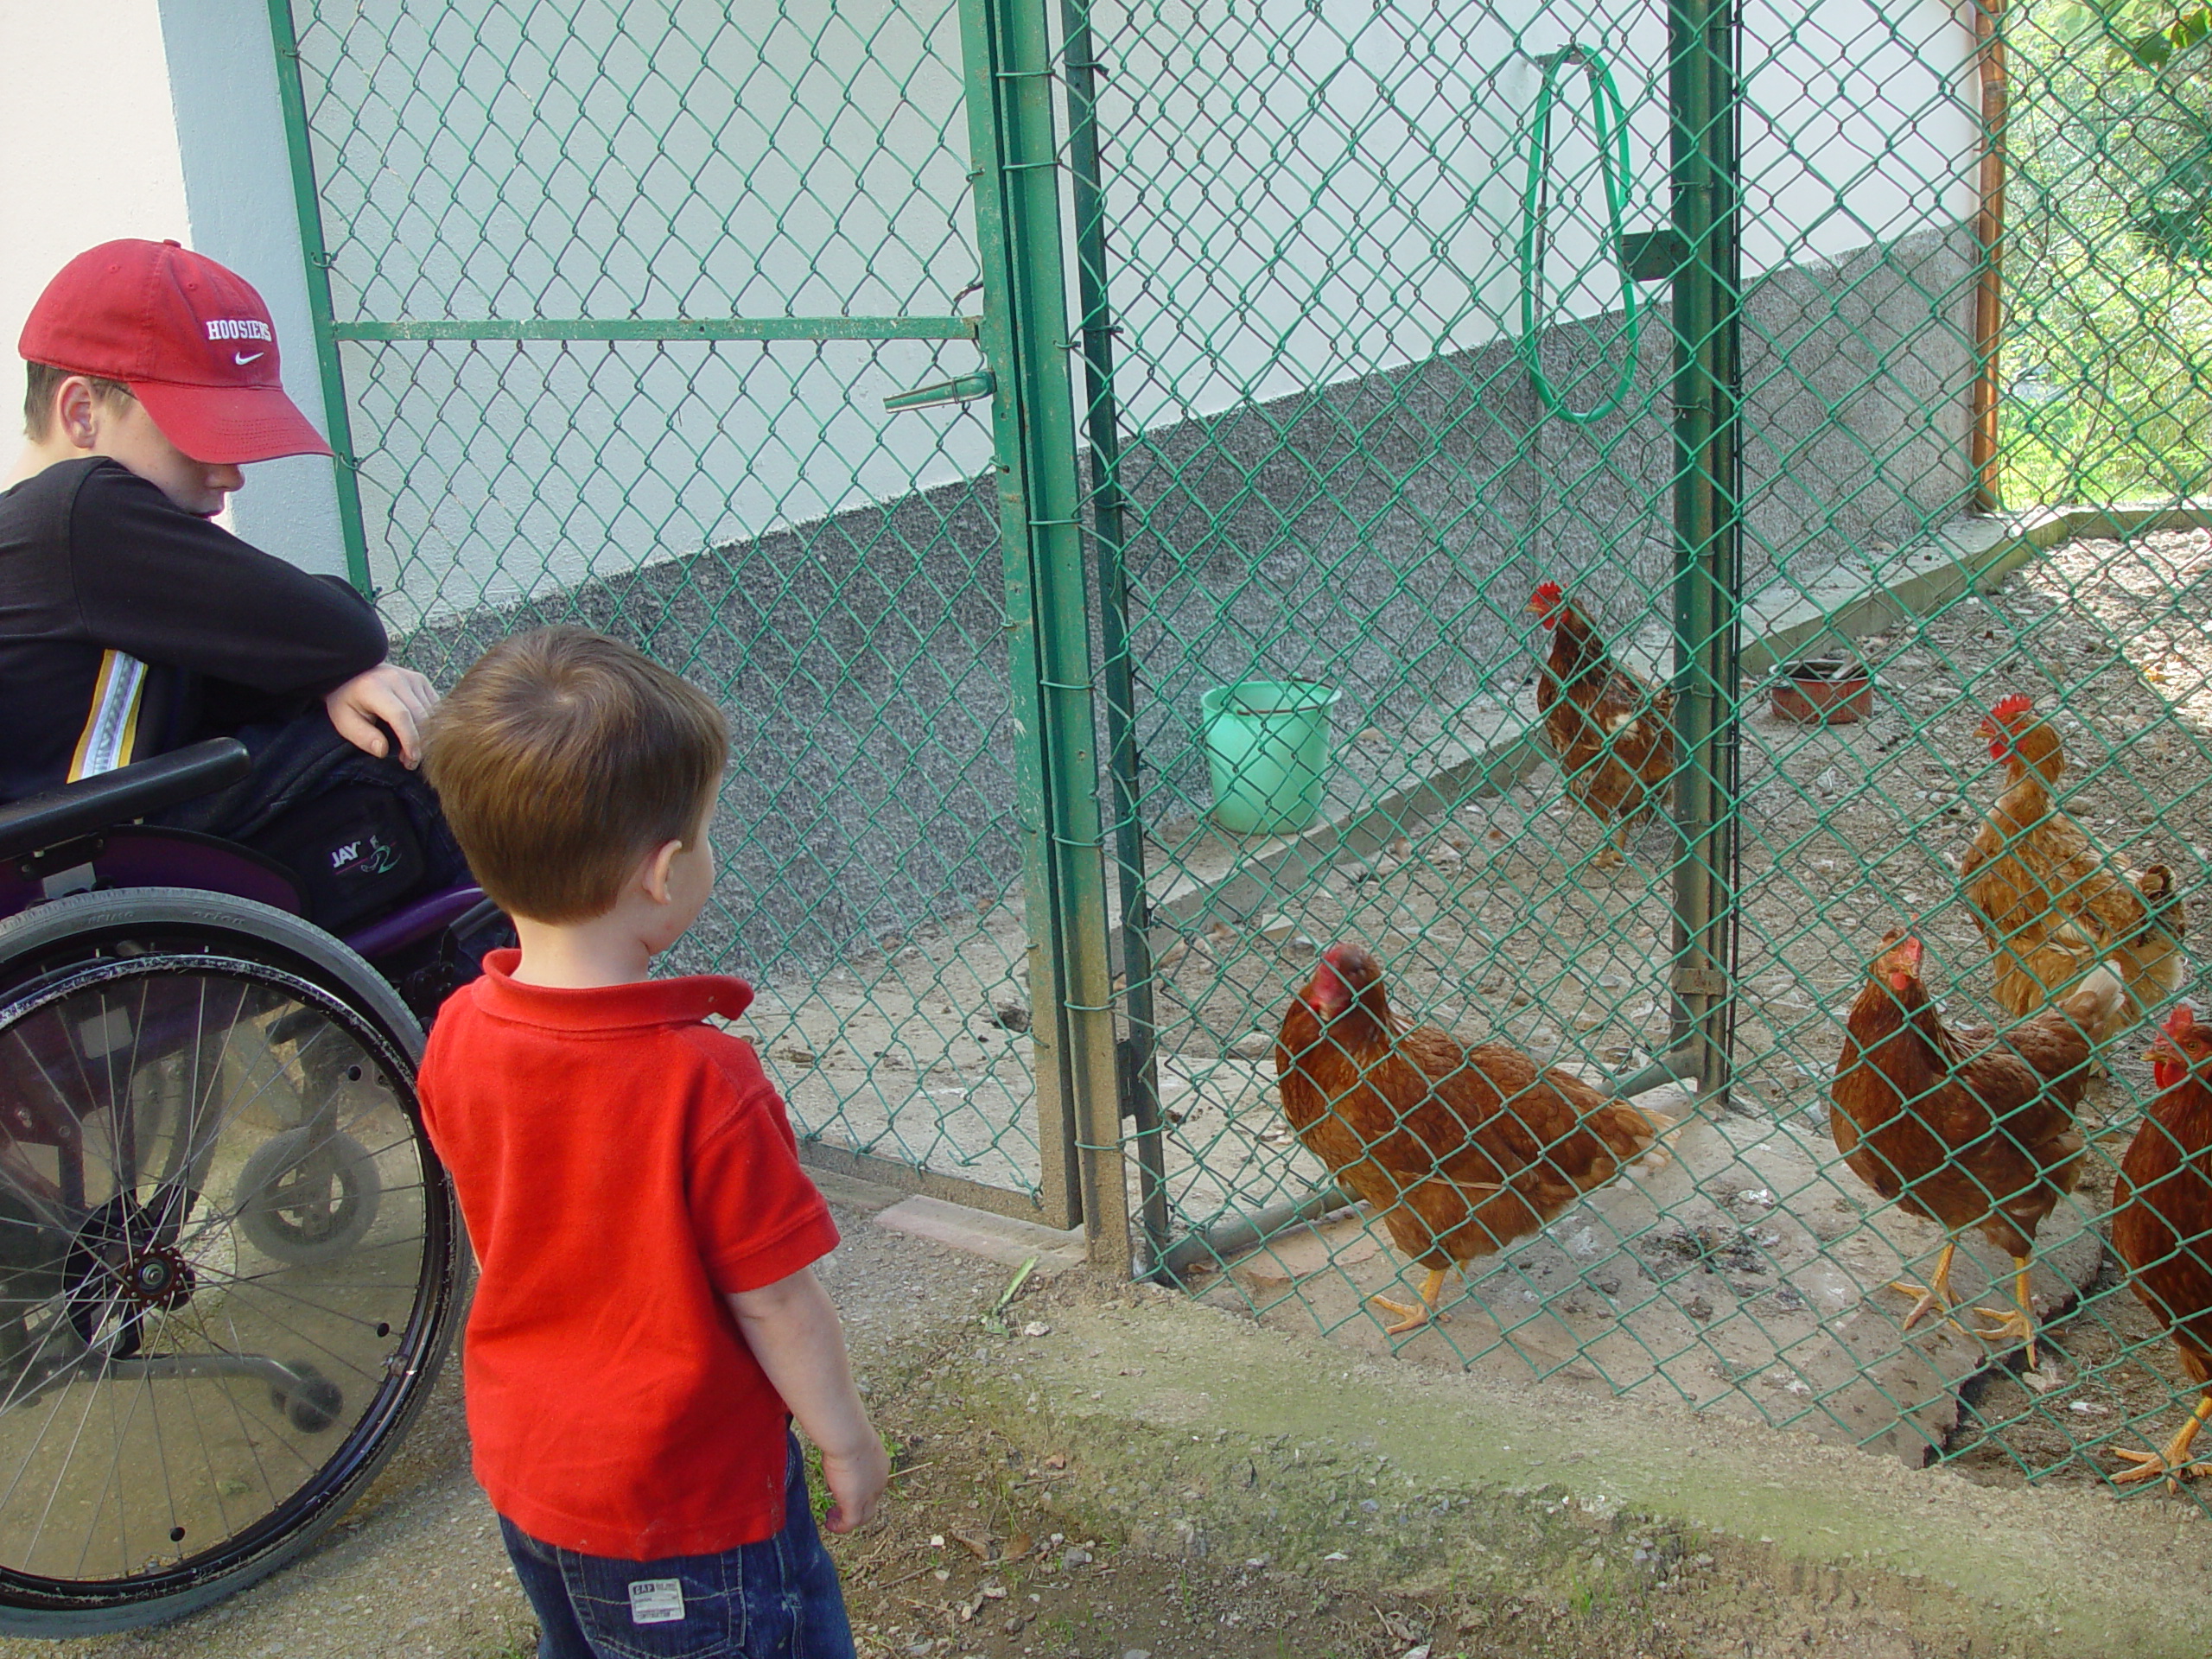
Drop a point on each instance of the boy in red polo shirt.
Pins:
(646, 1322)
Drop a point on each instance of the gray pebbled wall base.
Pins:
(1381, 533)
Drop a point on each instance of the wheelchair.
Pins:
(230, 1265)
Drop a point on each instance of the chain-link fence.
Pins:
(618, 295)
(1379, 314)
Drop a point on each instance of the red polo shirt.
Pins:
(622, 1166)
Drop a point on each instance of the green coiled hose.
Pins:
(1611, 129)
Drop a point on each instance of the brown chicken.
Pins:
(2162, 1225)
(2047, 898)
(1460, 1151)
(1965, 1127)
(1613, 734)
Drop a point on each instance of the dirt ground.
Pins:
(982, 1551)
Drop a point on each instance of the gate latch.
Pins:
(966, 389)
(1653, 255)
(1699, 981)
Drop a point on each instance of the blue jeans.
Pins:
(775, 1599)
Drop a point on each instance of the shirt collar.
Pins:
(681, 1001)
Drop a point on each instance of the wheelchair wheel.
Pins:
(304, 1197)
(229, 1264)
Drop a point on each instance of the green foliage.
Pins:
(2108, 257)
(2133, 33)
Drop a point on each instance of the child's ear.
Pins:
(652, 874)
(76, 412)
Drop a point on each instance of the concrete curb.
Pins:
(1200, 1433)
(979, 1232)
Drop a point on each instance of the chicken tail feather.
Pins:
(2096, 1003)
(2161, 902)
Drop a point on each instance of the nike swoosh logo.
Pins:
(244, 357)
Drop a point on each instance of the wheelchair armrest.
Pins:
(92, 805)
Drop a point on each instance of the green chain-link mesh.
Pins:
(1316, 455)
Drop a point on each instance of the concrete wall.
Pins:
(862, 661)
(1305, 193)
(1335, 463)
(1399, 570)
(860, 657)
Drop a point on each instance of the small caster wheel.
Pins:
(313, 1403)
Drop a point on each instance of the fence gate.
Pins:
(631, 305)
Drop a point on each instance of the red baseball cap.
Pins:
(192, 340)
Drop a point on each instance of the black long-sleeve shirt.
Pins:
(128, 626)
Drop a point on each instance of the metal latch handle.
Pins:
(966, 389)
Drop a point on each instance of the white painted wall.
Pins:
(87, 151)
(230, 135)
(95, 148)
(764, 161)
(1320, 188)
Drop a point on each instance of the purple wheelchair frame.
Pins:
(124, 855)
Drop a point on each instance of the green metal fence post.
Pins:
(1010, 73)
(1707, 297)
(1138, 1053)
(343, 467)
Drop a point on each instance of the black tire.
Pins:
(269, 1206)
(173, 1049)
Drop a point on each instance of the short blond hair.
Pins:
(562, 759)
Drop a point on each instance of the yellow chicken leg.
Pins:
(2017, 1321)
(1412, 1319)
(1935, 1295)
(2173, 1463)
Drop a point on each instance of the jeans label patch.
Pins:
(656, 1601)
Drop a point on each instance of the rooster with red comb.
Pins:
(2162, 1226)
(2051, 902)
(1613, 736)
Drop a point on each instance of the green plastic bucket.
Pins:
(1268, 747)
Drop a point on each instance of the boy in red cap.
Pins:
(646, 1319)
(131, 623)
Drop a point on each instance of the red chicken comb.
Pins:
(2009, 710)
(2181, 1021)
(1546, 599)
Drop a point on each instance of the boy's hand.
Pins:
(856, 1481)
(399, 697)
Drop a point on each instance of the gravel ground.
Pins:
(1489, 925)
